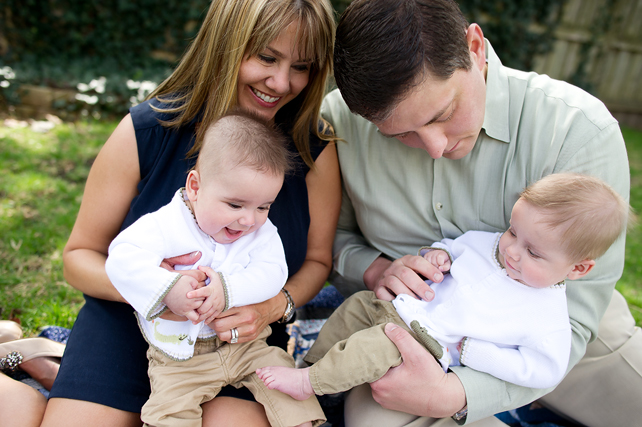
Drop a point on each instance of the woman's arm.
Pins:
(110, 188)
(324, 194)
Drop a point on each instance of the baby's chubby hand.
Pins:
(178, 301)
(212, 295)
(439, 259)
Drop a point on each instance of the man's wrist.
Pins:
(375, 271)
(461, 415)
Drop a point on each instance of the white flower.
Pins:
(7, 73)
(98, 84)
(89, 99)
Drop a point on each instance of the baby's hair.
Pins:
(590, 214)
(240, 138)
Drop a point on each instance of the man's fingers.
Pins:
(407, 345)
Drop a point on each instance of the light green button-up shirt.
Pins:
(397, 199)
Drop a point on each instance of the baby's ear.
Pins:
(192, 185)
(581, 269)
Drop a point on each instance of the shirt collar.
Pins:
(496, 118)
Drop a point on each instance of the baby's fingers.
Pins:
(192, 315)
(203, 293)
(443, 261)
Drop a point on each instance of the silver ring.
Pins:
(235, 336)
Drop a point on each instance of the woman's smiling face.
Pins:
(274, 77)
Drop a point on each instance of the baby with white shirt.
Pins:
(501, 310)
(222, 212)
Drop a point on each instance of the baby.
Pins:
(501, 310)
(222, 212)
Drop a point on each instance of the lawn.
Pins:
(41, 184)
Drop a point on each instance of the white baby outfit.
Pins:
(252, 269)
(515, 332)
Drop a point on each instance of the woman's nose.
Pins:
(279, 82)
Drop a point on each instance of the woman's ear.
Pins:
(193, 185)
(581, 269)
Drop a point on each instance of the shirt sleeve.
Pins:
(352, 253)
(257, 271)
(538, 364)
(133, 266)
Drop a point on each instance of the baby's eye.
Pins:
(533, 254)
(512, 233)
(234, 206)
(264, 208)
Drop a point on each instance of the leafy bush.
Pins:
(69, 44)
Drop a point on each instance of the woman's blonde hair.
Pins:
(204, 84)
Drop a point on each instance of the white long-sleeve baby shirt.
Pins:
(253, 269)
(514, 332)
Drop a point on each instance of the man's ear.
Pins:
(476, 45)
(581, 269)
(193, 185)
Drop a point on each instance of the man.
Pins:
(473, 134)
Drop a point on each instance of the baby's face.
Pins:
(531, 251)
(234, 203)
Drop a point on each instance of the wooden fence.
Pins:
(599, 46)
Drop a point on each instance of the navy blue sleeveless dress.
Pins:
(105, 360)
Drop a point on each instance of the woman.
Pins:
(268, 56)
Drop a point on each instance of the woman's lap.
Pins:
(105, 360)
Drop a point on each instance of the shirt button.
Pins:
(438, 206)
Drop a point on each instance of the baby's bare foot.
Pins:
(291, 381)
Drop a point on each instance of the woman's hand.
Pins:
(187, 259)
(418, 386)
(249, 320)
(390, 278)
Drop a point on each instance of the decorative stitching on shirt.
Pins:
(159, 301)
(463, 351)
(226, 291)
(432, 248)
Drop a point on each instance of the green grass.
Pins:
(41, 184)
(630, 285)
(42, 177)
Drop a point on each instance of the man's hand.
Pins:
(418, 386)
(390, 278)
(213, 297)
(439, 258)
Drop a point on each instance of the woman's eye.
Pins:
(267, 59)
(301, 67)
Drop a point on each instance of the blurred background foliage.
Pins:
(66, 43)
